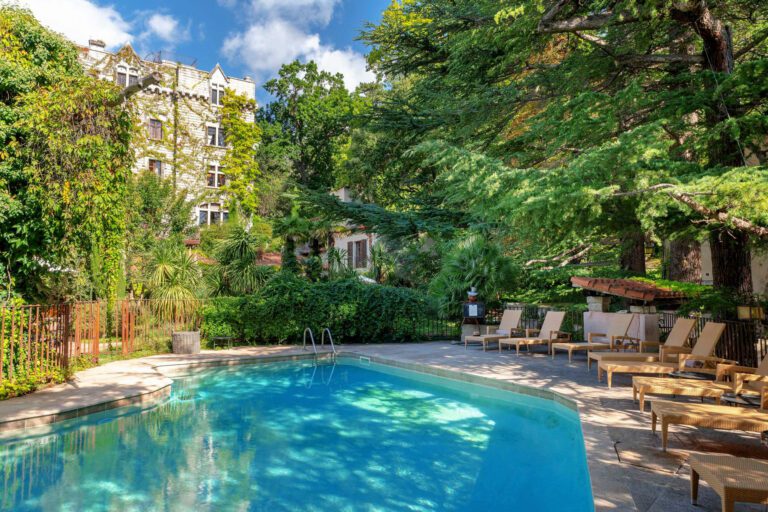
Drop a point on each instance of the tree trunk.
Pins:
(731, 261)
(632, 256)
(683, 261)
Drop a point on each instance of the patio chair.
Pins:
(734, 479)
(677, 339)
(721, 417)
(549, 332)
(510, 322)
(730, 378)
(700, 360)
(617, 334)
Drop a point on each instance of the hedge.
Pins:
(354, 311)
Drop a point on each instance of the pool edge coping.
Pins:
(172, 369)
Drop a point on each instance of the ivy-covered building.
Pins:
(183, 140)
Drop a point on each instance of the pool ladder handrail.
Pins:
(330, 337)
(311, 337)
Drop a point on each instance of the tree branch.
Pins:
(651, 60)
(597, 41)
(751, 45)
(720, 216)
(566, 256)
(709, 214)
(548, 25)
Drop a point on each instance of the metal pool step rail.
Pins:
(322, 340)
(330, 337)
(311, 337)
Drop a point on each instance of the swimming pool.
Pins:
(304, 437)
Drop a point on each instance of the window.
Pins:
(212, 213)
(361, 254)
(216, 177)
(156, 166)
(357, 254)
(155, 129)
(122, 76)
(133, 76)
(216, 137)
(217, 94)
(127, 76)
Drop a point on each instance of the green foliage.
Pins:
(222, 318)
(157, 212)
(472, 262)
(65, 162)
(243, 137)
(355, 312)
(549, 141)
(238, 271)
(313, 110)
(173, 279)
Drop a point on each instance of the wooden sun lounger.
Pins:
(700, 358)
(510, 322)
(549, 332)
(741, 379)
(734, 479)
(617, 334)
(707, 416)
(674, 345)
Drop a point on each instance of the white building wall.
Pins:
(182, 102)
(759, 268)
(353, 238)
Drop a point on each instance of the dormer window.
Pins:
(217, 94)
(127, 76)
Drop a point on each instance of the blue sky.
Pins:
(247, 37)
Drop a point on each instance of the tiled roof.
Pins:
(627, 288)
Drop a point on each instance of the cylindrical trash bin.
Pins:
(186, 342)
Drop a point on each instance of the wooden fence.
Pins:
(40, 338)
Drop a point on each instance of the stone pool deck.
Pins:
(628, 469)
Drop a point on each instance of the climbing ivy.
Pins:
(65, 163)
(244, 175)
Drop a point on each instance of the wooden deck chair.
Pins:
(618, 328)
(722, 417)
(730, 378)
(549, 332)
(700, 359)
(510, 322)
(677, 339)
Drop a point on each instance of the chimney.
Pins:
(96, 44)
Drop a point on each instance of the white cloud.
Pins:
(348, 62)
(300, 12)
(265, 47)
(280, 33)
(81, 20)
(165, 27)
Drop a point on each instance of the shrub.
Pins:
(222, 317)
(355, 312)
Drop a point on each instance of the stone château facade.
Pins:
(183, 140)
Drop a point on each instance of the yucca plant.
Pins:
(173, 281)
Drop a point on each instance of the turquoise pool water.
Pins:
(295, 437)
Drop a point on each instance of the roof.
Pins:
(271, 259)
(627, 288)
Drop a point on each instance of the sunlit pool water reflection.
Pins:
(295, 437)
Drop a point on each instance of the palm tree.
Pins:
(238, 254)
(173, 280)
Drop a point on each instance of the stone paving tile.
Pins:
(643, 478)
